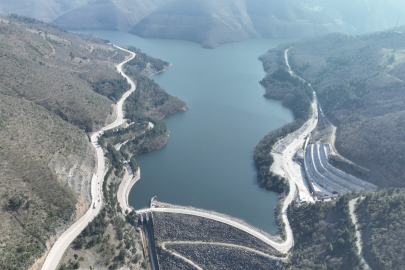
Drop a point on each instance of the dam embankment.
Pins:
(208, 160)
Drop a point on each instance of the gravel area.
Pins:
(218, 257)
(178, 227)
(171, 262)
(275, 238)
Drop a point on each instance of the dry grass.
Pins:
(46, 161)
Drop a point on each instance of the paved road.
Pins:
(129, 180)
(288, 154)
(63, 242)
(282, 247)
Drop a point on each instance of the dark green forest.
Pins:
(141, 61)
(297, 96)
(382, 219)
(360, 85)
(324, 236)
(113, 88)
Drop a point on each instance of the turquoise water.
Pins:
(208, 160)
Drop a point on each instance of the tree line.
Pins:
(382, 218)
(325, 240)
(112, 88)
(298, 100)
(141, 60)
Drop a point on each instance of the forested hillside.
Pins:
(296, 95)
(382, 219)
(107, 14)
(324, 236)
(46, 103)
(44, 10)
(360, 84)
(143, 132)
(56, 88)
(212, 23)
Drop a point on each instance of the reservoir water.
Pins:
(208, 160)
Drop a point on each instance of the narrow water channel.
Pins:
(208, 160)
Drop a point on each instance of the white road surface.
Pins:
(288, 154)
(63, 242)
(282, 247)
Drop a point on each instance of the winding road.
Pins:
(288, 154)
(63, 242)
(69, 235)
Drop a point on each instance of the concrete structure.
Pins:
(320, 172)
(281, 247)
(145, 222)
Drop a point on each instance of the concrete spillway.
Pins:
(319, 170)
(145, 220)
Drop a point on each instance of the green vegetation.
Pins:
(151, 139)
(134, 165)
(56, 69)
(113, 88)
(324, 236)
(109, 237)
(46, 101)
(32, 21)
(115, 158)
(382, 219)
(34, 202)
(118, 247)
(360, 85)
(297, 96)
(146, 105)
(149, 98)
(138, 124)
(142, 60)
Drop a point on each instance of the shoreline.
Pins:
(128, 182)
(275, 238)
(124, 189)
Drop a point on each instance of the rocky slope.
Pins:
(46, 103)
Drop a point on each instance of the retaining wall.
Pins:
(320, 171)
